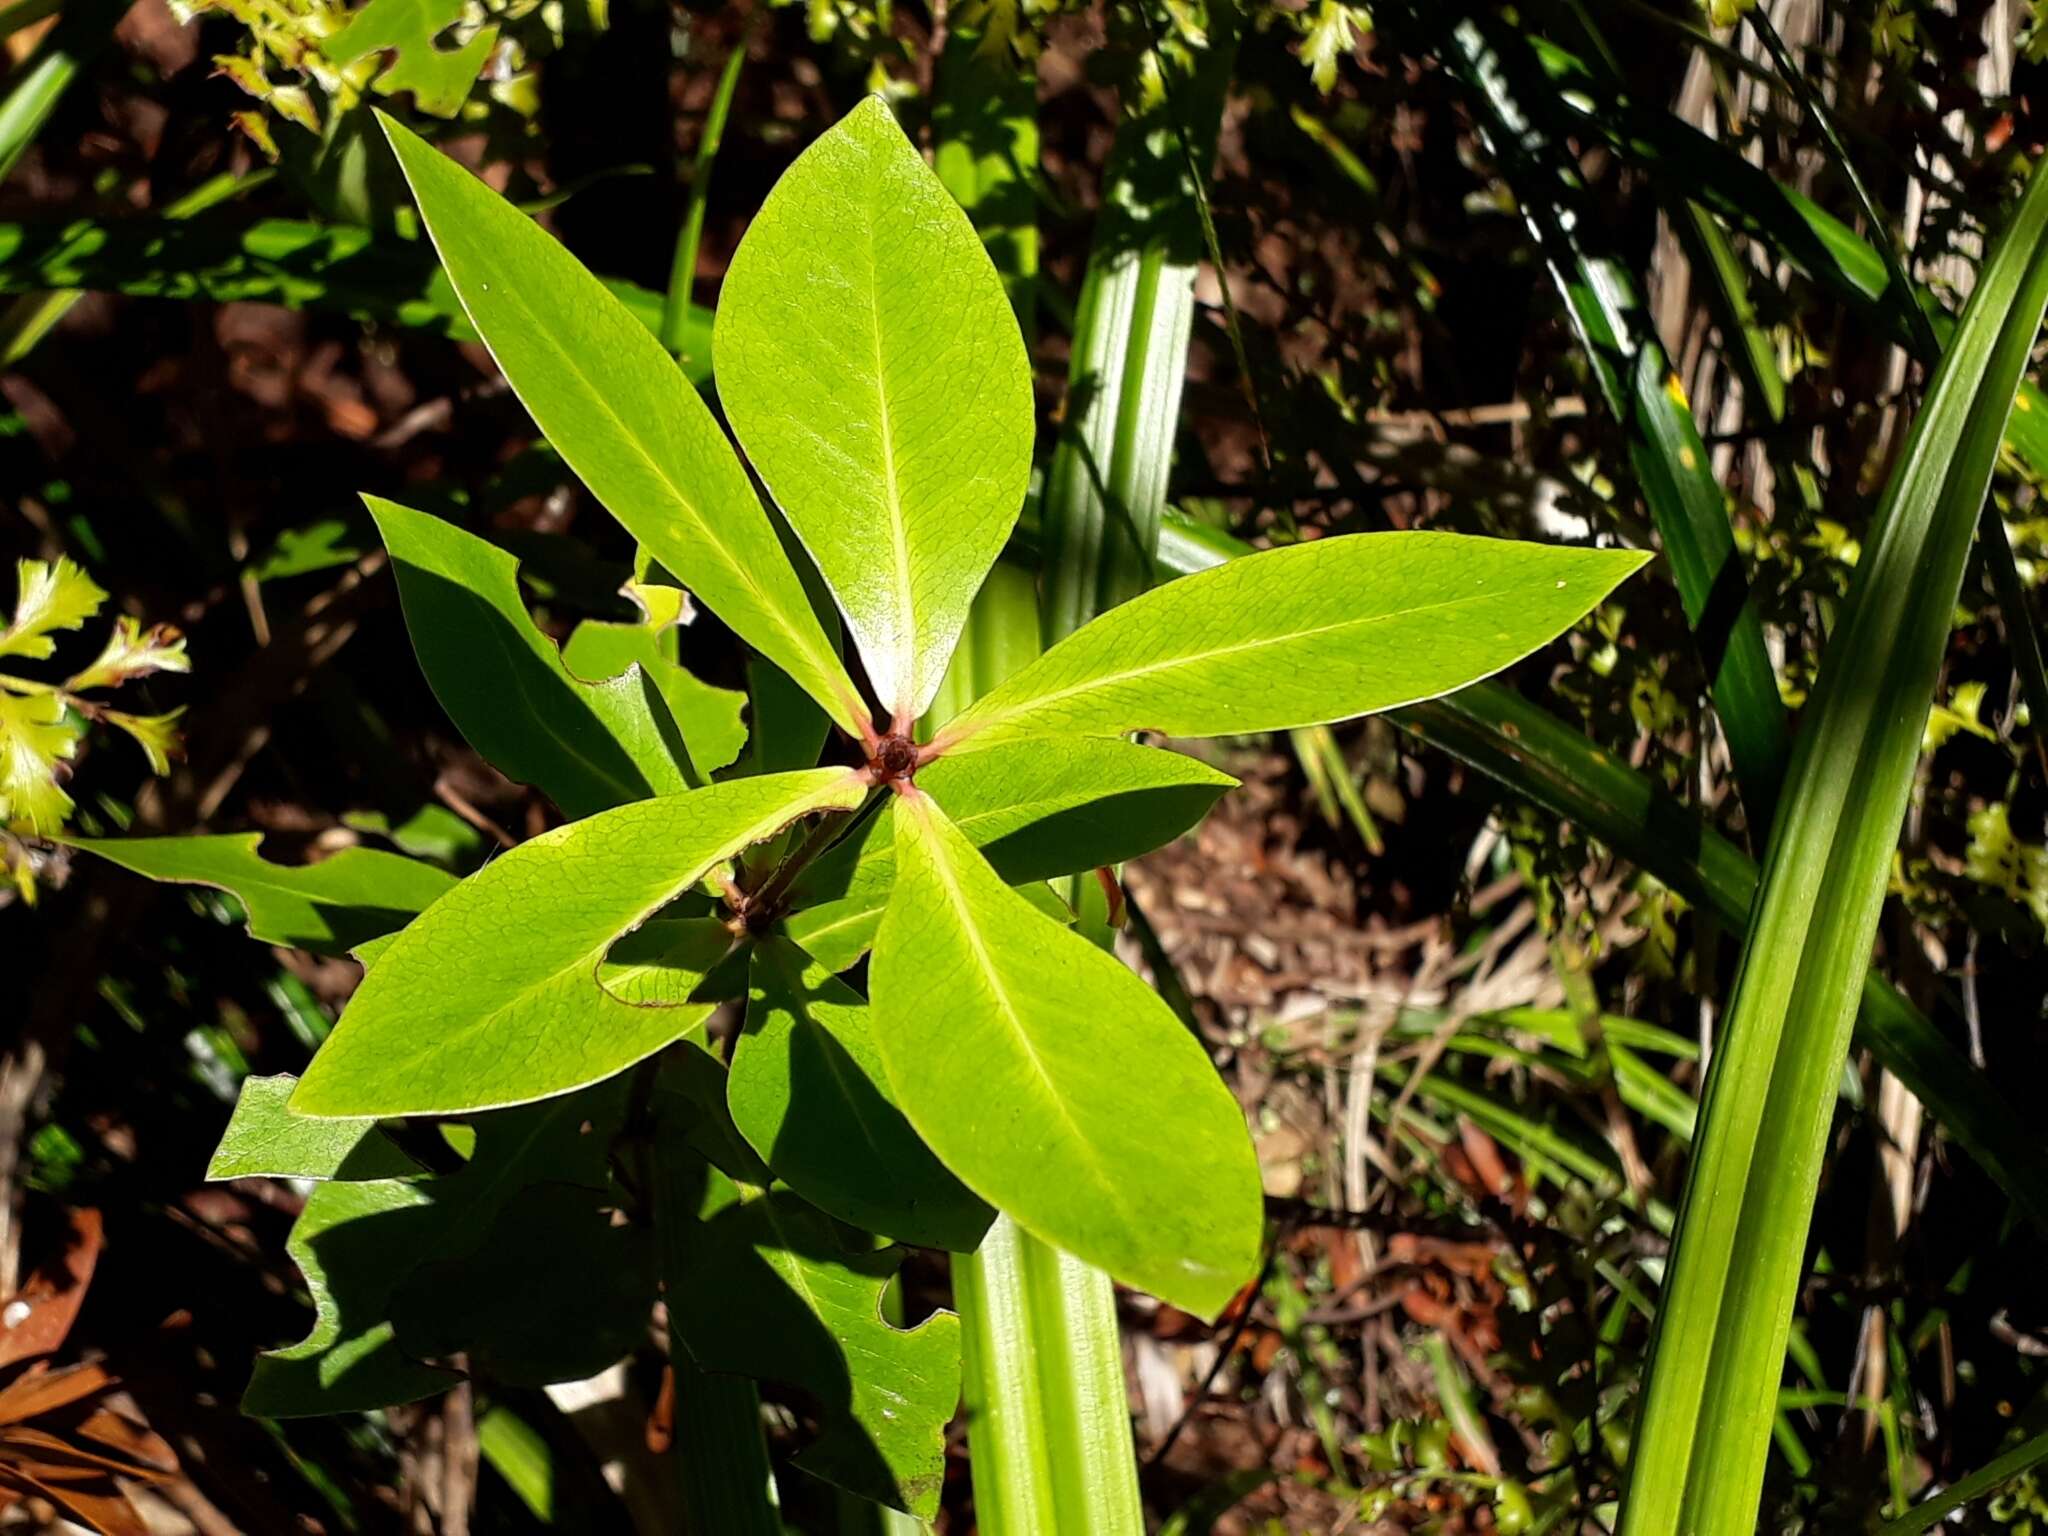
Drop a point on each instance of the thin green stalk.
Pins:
(682, 273)
(1106, 484)
(1931, 1512)
(37, 87)
(1718, 1348)
(1640, 389)
(1900, 295)
(1787, 224)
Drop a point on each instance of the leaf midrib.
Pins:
(943, 869)
(970, 727)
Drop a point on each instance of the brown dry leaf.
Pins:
(52, 1295)
(77, 1451)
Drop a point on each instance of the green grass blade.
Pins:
(1788, 224)
(1718, 1348)
(1106, 483)
(682, 274)
(1925, 1516)
(37, 87)
(1636, 380)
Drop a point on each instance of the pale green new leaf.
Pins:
(1054, 1082)
(266, 1140)
(620, 411)
(492, 997)
(873, 370)
(346, 900)
(808, 1092)
(585, 745)
(35, 736)
(1036, 809)
(47, 598)
(760, 1284)
(709, 719)
(1718, 1353)
(1304, 635)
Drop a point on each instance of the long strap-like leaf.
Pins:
(1637, 382)
(1718, 1348)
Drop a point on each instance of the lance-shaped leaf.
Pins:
(1036, 809)
(760, 1284)
(620, 411)
(1718, 1352)
(586, 745)
(266, 1140)
(1054, 1082)
(707, 717)
(1300, 636)
(873, 370)
(331, 907)
(345, 1243)
(492, 997)
(808, 1092)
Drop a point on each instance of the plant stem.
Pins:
(682, 274)
(1043, 1367)
(721, 1455)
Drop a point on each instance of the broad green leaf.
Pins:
(1304, 635)
(808, 1092)
(623, 416)
(492, 997)
(346, 899)
(1718, 1353)
(708, 718)
(873, 370)
(1036, 809)
(1538, 756)
(1054, 1082)
(760, 1284)
(581, 1301)
(666, 962)
(47, 598)
(265, 1140)
(360, 1249)
(585, 745)
(350, 1243)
